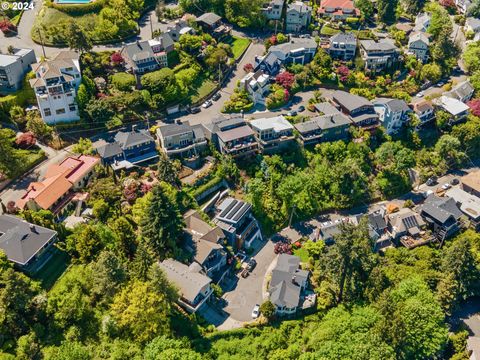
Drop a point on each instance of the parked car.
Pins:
(207, 104)
(427, 193)
(440, 84)
(420, 94)
(216, 96)
(195, 110)
(292, 113)
(301, 108)
(446, 186)
(245, 273)
(251, 265)
(455, 181)
(256, 311)
(431, 181)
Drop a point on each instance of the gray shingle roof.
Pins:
(395, 105)
(441, 209)
(295, 44)
(350, 101)
(284, 289)
(187, 279)
(209, 18)
(139, 50)
(347, 38)
(174, 129)
(109, 150)
(380, 45)
(20, 240)
(128, 139)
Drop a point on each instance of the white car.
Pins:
(207, 104)
(420, 94)
(446, 186)
(256, 311)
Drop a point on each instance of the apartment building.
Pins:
(13, 68)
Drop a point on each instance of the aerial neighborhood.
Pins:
(267, 179)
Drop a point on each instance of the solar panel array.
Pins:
(410, 221)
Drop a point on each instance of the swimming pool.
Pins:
(73, 1)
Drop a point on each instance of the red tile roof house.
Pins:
(338, 9)
(60, 183)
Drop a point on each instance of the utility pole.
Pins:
(41, 42)
(291, 216)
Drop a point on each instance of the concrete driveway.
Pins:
(242, 294)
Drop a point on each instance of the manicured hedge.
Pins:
(78, 9)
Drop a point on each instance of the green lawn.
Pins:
(205, 87)
(53, 269)
(302, 254)
(238, 46)
(327, 30)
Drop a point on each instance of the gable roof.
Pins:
(21, 240)
(441, 209)
(284, 285)
(472, 180)
(174, 129)
(350, 101)
(277, 123)
(293, 45)
(186, 278)
(128, 139)
(109, 150)
(461, 90)
(59, 179)
(299, 7)
(452, 105)
(347, 38)
(405, 219)
(418, 36)
(395, 105)
(209, 18)
(380, 45)
(469, 204)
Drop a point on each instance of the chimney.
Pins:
(33, 228)
(294, 280)
(134, 128)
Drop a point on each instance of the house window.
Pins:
(72, 107)
(47, 112)
(60, 111)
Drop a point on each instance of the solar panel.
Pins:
(242, 212)
(410, 221)
(228, 208)
(234, 211)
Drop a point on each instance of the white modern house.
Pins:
(457, 109)
(55, 85)
(257, 85)
(273, 134)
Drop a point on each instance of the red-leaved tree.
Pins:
(474, 106)
(285, 79)
(116, 58)
(248, 68)
(26, 140)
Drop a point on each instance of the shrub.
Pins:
(26, 140)
(123, 81)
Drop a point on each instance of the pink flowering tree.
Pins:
(474, 106)
(285, 79)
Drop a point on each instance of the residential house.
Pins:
(468, 204)
(212, 23)
(458, 110)
(298, 17)
(273, 9)
(331, 127)
(329, 230)
(27, 245)
(423, 111)
(418, 44)
(60, 184)
(193, 286)
(127, 149)
(182, 140)
(392, 113)
(148, 55)
(257, 85)
(55, 85)
(206, 242)
(378, 229)
(463, 5)
(13, 68)
(179, 28)
(407, 226)
(442, 214)
(236, 220)
(422, 22)
(231, 136)
(296, 50)
(473, 25)
(360, 110)
(288, 284)
(273, 134)
(471, 183)
(338, 9)
(463, 91)
(379, 55)
(342, 46)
